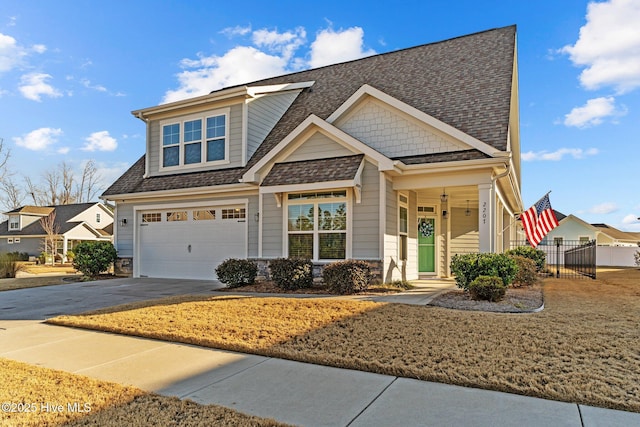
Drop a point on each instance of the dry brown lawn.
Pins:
(41, 397)
(584, 347)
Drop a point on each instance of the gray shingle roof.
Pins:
(310, 171)
(465, 82)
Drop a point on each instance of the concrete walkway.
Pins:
(291, 392)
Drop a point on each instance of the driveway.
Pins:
(50, 301)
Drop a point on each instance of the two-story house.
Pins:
(402, 159)
(24, 232)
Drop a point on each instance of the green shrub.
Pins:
(347, 277)
(527, 274)
(292, 273)
(92, 258)
(467, 267)
(9, 265)
(237, 272)
(490, 288)
(19, 256)
(538, 256)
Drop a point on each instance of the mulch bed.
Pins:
(524, 299)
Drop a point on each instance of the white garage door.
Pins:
(190, 243)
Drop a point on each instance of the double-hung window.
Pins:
(14, 222)
(195, 141)
(317, 225)
(403, 226)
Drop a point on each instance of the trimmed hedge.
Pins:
(347, 277)
(292, 273)
(490, 288)
(536, 255)
(527, 274)
(235, 272)
(92, 258)
(467, 267)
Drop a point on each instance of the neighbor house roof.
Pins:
(64, 213)
(465, 82)
(616, 234)
(32, 210)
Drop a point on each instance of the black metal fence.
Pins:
(567, 258)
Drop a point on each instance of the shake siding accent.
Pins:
(366, 215)
(154, 148)
(465, 237)
(381, 127)
(263, 114)
(271, 227)
(318, 147)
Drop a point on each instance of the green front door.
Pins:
(426, 245)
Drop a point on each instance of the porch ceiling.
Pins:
(456, 196)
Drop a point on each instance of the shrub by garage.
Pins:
(92, 258)
(235, 272)
(347, 277)
(291, 273)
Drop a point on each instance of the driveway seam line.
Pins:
(371, 403)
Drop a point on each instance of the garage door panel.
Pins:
(189, 249)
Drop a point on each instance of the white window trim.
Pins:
(10, 241)
(16, 240)
(316, 232)
(11, 223)
(203, 141)
(404, 205)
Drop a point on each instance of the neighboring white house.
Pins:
(402, 159)
(23, 231)
(614, 247)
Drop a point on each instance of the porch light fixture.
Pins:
(468, 211)
(445, 214)
(443, 196)
(123, 222)
(256, 216)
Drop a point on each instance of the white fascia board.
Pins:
(447, 166)
(413, 112)
(181, 192)
(254, 91)
(313, 186)
(199, 100)
(343, 138)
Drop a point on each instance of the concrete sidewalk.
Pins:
(291, 392)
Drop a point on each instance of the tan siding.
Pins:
(465, 237)
(263, 113)
(366, 216)
(271, 227)
(318, 147)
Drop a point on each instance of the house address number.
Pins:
(484, 212)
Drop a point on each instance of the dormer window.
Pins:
(195, 141)
(14, 222)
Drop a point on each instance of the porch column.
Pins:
(486, 229)
(65, 246)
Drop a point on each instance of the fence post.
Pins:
(557, 259)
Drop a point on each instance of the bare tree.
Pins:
(88, 188)
(5, 153)
(35, 193)
(13, 195)
(52, 231)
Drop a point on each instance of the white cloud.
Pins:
(39, 139)
(603, 208)
(331, 47)
(240, 64)
(10, 53)
(609, 46)
(576, 153)
(39, 48)
(630, 219)
(236, 31)
(272, 53)
(33, 86)
(87, 83)
(63, 150)
(593, 112)
(100, 141)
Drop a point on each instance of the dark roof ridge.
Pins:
(323, 158)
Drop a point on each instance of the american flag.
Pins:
(539, 220)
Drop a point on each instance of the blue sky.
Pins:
(72, 71)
